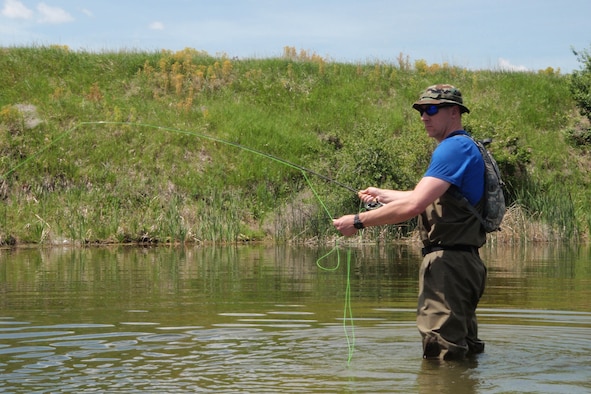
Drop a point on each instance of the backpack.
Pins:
(494, 199)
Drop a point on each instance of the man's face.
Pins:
(437, 120)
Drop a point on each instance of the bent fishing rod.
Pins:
(368, 206)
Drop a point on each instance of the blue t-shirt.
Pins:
(458, 161)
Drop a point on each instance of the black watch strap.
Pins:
(357, 223)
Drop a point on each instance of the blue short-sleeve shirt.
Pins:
(458, 161)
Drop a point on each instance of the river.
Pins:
(282, 319)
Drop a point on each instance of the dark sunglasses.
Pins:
(431, 109)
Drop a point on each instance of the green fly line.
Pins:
(347, 310)
(348, 323)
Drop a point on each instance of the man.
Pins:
(452, 275)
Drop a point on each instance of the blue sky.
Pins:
(475, 34)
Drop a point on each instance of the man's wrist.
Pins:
(357, 223)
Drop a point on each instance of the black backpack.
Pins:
(494, 198)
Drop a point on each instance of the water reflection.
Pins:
(457, 377)
(258, 319)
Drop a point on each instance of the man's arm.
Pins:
(403, 206)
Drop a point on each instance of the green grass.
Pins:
(148, 175)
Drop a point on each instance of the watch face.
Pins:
(357, 223)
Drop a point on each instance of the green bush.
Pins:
(580, 83)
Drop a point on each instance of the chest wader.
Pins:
(452, 279)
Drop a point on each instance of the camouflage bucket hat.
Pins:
(441, 94)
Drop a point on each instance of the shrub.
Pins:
(580, 83)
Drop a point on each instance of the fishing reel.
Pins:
(375, 204)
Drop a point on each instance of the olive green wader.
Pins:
(452, 279)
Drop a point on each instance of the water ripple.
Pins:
(290, 352)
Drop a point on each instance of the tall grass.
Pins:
(130, 181)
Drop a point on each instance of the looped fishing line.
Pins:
(347, 311)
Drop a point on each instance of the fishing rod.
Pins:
(369, 206)
(260, 153)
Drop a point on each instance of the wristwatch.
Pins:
(357, 223)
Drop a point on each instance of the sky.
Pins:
(516, 35)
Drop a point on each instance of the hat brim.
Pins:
(430, 101)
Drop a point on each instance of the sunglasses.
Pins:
(431, 109)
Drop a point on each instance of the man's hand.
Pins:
(371, 194)
(345, 225)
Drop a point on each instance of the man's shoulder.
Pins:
(458, 144)
(455, 147)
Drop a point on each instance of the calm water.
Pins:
(259, 319)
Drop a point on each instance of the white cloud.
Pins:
(53, 15)
(157, 26)
(506, 65)
(87, 12)
(16, 10)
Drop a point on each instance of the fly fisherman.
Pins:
(452, 275)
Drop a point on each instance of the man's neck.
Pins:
(452, 129)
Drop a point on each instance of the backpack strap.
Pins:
(454, 191)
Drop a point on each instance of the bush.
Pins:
(580, 83)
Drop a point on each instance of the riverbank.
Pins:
(185, 147)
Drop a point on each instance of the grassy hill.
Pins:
(186, 147)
